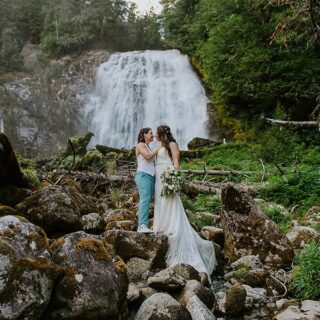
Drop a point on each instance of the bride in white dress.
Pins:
(170, 219)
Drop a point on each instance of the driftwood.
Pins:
(216, 172)
(295, 124)
(195, 187)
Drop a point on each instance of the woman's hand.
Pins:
(142, 149)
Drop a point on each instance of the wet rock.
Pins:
(162, 306)
(167, 280)
(235, 299)
(95, 282)
(57, 208)
(198, 310)
(10, 173)
(27, 272)
(92, 223)
(129, 244)
(195, 288)
(299, 236)
(197, 143)
(213, 234)
(248, 231)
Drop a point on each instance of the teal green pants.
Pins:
(145, 184)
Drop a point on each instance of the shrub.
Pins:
(306, 273)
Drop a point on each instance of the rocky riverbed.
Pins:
(69, 250)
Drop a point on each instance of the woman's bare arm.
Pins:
(142, 149)
(175, 152)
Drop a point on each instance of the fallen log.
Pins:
(216, 172)
(193, 188)
(294, 124)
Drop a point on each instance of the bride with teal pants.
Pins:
(145, 176)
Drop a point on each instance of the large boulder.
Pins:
(95, 282)
(162, 306)
(10, 173)
(27, 273)
(248, 231)
(130, 244)
(57, 209)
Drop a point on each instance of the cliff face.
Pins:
(41, 109)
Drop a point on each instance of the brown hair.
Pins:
(165, 136)
(141, 134)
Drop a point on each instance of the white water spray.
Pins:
(146, 89)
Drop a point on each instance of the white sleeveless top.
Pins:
(145, 165)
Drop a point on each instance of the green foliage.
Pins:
(28, 168)
(207, 203)
(254, 55)
(276, 213)
(241, 273)
(115, 196)
(306, 273)
(300, 189)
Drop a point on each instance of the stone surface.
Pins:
(187, 272)
(41, 110)
(192, 288)
(95, 282)
(198, 310)
(235, 299)
(57, 208)
(249, 262)
(92, 223)
(213, 234)
(138, 269)
(162, 306)
(248, 231)
(167, 280)
(10, 173)
(129, 244)
(299, 236)
(27, 272)
(292, 313)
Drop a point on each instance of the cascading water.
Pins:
(145, 89)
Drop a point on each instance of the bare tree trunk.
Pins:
(294, 124)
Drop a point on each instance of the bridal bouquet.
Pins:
(172, 181)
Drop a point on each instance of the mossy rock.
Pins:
(7, 210)
(78, 144)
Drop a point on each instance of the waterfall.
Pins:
(146, 89)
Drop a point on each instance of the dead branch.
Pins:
(294, 124)
(216, 172)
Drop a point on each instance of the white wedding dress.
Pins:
(170, 219)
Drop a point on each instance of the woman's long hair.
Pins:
(141, 134)
(165, 136)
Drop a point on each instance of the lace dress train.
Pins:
(170, 219)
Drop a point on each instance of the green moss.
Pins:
(98, 248)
